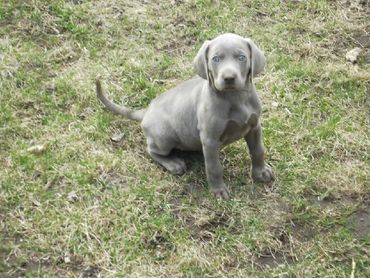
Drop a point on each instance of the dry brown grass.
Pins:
(90, 207)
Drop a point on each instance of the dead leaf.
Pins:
(353, 54)
(274, 104)
(287, 111)
(38, 149)
(36, 203)
(72, 196)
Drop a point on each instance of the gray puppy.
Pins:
(207, 112)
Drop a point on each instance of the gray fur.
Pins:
(208, 112)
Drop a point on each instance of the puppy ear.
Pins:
(258, 60)
(200, 61)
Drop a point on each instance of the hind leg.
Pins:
(160, 152)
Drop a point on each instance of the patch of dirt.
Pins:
(204, 231)
(272, 259)
(303, 232)
(182, 36)
(204, 222)
(113, 179)
(90, 271)
(359, 220)
(75, 265)
(355, 5)
(14, 267)
(30, 108)
(158, 245)
(177, 46)
(172, 47)
(292, 229)
(286, 236)
(360, 223)
(31, 266)
(183, 22)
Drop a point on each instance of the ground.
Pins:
(79, 196)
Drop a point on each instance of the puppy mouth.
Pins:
(229, 87)
(229, 84)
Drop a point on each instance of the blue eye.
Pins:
(216, 59)
(242, 58)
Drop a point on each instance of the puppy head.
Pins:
(228, 62)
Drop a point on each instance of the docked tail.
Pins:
(136, 115)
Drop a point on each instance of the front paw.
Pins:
(262, 174)
(220, 193)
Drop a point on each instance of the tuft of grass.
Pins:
(86, 206)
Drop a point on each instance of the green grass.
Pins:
(86, 207)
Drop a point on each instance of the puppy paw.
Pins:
(177, 167)
(220, 193)
(262, 174)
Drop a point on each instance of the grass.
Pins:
(86, 206)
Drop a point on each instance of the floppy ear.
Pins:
(200, 61)
(258, 60)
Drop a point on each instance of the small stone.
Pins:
(117, 138)
(67, 259)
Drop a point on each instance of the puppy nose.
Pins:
(229, 79)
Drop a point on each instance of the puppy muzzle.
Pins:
(228, 81)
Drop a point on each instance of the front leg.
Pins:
(214, 170)
(260, 171)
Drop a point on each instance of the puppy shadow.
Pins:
(194, 179)
(236, 174)
(190, 157)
